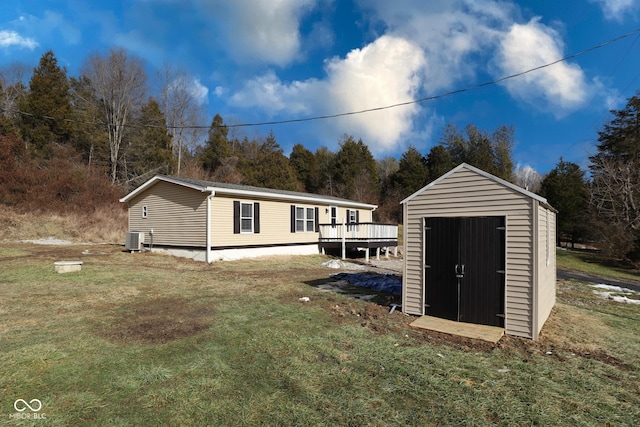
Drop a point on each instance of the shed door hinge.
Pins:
(500, 315)
(501, 228)
(500, 271)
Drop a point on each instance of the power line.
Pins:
(368, 110)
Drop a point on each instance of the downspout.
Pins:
(208, 255)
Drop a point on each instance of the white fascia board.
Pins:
(294, 198)
(249, 193)
(155, 179)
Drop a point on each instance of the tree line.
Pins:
(108, 121)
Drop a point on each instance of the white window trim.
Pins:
(249, 231)
(310, 220)
(305, 219)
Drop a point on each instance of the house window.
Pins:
(311, 222)
(299, 219)
(304, 219)
(246, 217)
(144, 212)
(351, 216)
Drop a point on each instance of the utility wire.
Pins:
(368, 110)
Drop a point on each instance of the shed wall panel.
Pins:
(546, 286)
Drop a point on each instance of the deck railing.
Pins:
(361, 234)
(366, 231)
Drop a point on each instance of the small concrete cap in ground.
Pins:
(67, 266)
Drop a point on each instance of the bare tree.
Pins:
(182, 109)
(527, 178)
(615, 197)
(120, 86)
(13, 79)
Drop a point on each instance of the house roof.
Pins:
(494, 178)
(246, 191)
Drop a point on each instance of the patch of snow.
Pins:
(613, 288)
(48, 241)
(339, 265)
(609, 291)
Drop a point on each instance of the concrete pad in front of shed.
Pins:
(468, 330)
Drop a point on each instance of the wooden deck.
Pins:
(366, 235)
(468, 330)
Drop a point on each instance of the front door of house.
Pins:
(333, 216)
(465, 269)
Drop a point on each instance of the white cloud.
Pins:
(448, 31)
(616, 9)
(260, 30)
(386, 72)
(382, 73)
(561, 87)
(199, 91)
(11, 38)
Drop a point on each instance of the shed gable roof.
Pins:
(487, 175)
(246, 191)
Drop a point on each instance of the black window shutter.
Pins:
(293, 218)
(334, 215)
(348, 216)
(317, 220)
(256, 217)
(236, 217)
(357, 216)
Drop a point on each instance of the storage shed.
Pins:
(479, 249)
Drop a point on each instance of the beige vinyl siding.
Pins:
(546, 263)
(465, 193)
(275, 222)
(176, 214)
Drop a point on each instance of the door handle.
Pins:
(459, 270)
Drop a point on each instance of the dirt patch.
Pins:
(157, 321)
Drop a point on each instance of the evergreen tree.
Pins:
(216, 147)
(355, 171)
(150, 149)
(489, 152)
(90, 140)
(305, 164)
(439, 162)
(326, 160)
(267, 166)
(412, 173)
(565, 189)
(503, 146)
(48, 105)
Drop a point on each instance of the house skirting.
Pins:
(238, 252)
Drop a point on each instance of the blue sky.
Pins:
(268, 60)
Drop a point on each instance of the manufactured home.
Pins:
(481, 250)
(211, 221)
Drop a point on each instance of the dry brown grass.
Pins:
(103, 225)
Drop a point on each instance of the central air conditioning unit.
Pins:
(134, 240)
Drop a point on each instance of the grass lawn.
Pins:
(148, 340)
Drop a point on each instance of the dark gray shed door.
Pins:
(464, 269)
